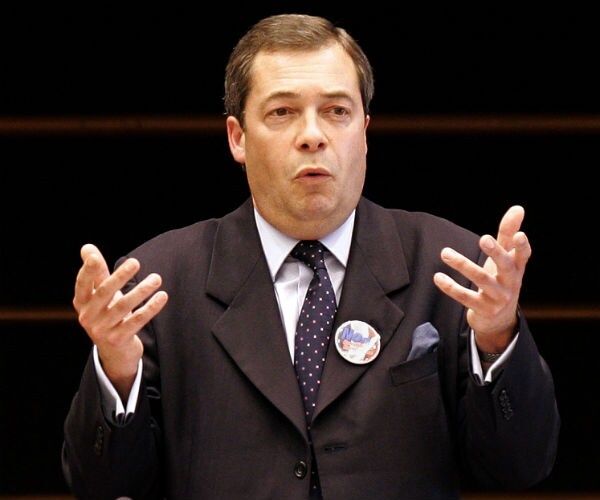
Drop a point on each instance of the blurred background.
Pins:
(111, 131)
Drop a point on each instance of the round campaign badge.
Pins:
(357, 342)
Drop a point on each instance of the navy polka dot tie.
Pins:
(314, 324)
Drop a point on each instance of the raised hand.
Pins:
(113, 319)
(492, 308)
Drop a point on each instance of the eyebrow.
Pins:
(336, 94)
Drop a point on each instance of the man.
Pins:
(196, 390)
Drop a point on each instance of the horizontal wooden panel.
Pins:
(537, 312)
(380, 124)
(466, 496)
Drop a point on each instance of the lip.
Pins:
(312, 172)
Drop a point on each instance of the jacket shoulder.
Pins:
(188, 242)
(419, 225)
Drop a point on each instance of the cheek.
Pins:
(268, 158)
(260, 173)
(356, 148)
(260, 147)
(357, 164)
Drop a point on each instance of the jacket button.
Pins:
(99, 441)
(300, 469)
(505, 405)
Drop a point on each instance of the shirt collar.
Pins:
(277, 245)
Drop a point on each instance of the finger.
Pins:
(142, 315)
(96, 316)
(105, 291)
(522, 250)
(105, 317)
(473, 272)
(130, 326)
(110, 321)
(135, 297)
(503, 259)
(89, 249)
(510, 265)
(509, 225)
(93, 271)
(467, 297)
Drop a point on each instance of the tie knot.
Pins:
(311, 252)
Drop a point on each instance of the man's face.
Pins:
(304, 140)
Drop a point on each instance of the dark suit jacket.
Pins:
(220, 414)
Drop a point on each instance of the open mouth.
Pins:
(313, 172)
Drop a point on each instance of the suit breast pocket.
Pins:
(417, 395)
(415, 369)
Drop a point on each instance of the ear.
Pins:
(236, 138)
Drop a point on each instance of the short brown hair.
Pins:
(289, 32)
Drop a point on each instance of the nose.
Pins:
(311, 136)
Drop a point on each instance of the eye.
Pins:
(340, 111)
(279, 112)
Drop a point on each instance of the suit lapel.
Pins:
(250, 329)
(376, 267)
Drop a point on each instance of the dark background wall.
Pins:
(60, 190)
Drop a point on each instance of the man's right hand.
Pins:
(113, 319)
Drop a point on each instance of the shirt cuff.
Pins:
(112, 400)
(476, 362)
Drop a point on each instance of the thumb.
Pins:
(95, 262)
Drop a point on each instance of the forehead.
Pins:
(329, 68)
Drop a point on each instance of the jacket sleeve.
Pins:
(510, 427)
(104, 460)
